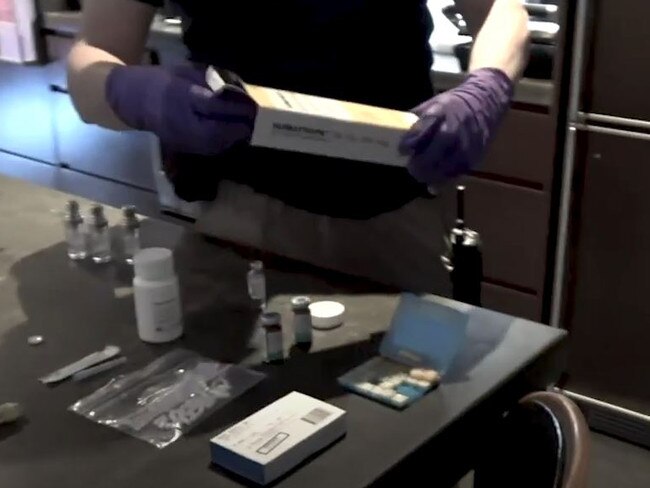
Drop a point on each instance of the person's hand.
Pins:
(455, 127)
(180, 109)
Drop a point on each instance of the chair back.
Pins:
(542, 443)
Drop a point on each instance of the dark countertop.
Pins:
(79, 308)
(446, 71)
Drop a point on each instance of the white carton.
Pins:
(277, 438)
(323, 126)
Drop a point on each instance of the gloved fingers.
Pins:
(438, 160)
(434, 104)
(221, 136)
(230, 104)
(234, 94)
(452, 163)
(425, 174)
(426, 106)
(464, 154)
(419, 136)
(209, 137)
(425, 166)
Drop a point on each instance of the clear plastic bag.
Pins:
(167, 398)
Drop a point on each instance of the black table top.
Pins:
(81, 308)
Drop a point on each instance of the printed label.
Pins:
(167, 315)
(316, 416)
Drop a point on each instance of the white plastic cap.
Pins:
(300, 303)
(327, 315)
(154, 264)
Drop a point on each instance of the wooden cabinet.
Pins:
(25, 112)
(610, 316)
(512, 302)
(509, 204)
(619, 73)
(522, 153)
(513, 224)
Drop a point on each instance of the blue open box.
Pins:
(424, 333)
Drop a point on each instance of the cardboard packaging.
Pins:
(277, 438)
(309, 124)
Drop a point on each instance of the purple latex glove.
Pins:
(455, 127)
(180, 109)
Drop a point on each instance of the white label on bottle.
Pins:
(166, 315)
(158, 311)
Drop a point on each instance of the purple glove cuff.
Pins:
(493, 80)
(456, 126)
(176, 105)
(124, 98)
(488, 91)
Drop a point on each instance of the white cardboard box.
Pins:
(277, 438)
(323, 126)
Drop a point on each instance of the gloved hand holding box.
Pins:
(323, 126)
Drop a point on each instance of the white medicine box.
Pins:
(278, 437)
(309, 124)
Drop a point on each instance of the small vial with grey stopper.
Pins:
(302, 324)
(257, 284)
(271, 322)
(99, 240)
(130, 233)
(73, 224)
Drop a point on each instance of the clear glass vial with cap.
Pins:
(157, 296)
(99, 239)
(257, 283)
(75, 235)
(130, 233)
(302, 324)
(271, 322)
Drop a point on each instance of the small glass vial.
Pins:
(257, 284)
(99, 240)
(75, 236)
(130, 233)
(302, 325)
(271, 322)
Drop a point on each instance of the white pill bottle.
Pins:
(157, 296)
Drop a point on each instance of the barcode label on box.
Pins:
(316, 416)
(273, 443)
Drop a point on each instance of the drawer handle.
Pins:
(59, 89)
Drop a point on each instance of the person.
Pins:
(361, 218)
